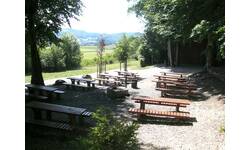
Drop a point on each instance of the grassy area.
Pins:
(89, 53)
(132, 64)
(94, 48)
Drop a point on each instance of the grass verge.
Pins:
(132, 64)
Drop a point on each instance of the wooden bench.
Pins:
(170, 84)
(50, 124)
(83, 80)
(71, 112)
(39, 97)
(40, 90)
(73, 86)
(164, 91)
(106, 81)
(161, 101)
(167, 78)
(181, 115)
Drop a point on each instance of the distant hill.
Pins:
(90, 38)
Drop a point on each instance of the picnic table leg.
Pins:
(50, 95)
(78, 82)
(88, 84)
(162, 93)
(72, 120)
(48, 115)
(72, 81)
(178, 107)
(37, 114)
(142, 106)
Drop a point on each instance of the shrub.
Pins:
(71, 48)
(110, 133)
(52, 58)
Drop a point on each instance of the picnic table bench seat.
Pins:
(40, 97)
(159, 103)
(164, 78)
(51, 124)
(68, 86)
(105, 81)
(166, 91)
(160, 113)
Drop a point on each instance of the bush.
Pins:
(71, 48)
(53, 59)
(110, 133)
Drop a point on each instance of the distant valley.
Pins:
(90, 38)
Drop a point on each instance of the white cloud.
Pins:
(107, 16)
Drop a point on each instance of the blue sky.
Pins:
(107, 16)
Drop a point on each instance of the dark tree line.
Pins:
(172, 24)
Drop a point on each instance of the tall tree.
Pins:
(43, 20)
(122, 49)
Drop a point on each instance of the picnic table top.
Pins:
(55, 108)
(126, 72)
(160, 99)
(41, 87)
(172, 77)
(174, 73)
(80, 79)
(175, 83)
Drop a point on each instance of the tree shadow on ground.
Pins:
(165, 121)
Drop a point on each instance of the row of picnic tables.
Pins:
(123, 78)
(165, 83)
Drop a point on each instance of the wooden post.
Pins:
(177, 107)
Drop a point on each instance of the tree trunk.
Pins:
(125, 65)
(170, 54)
(36, 72)
(209, 53)
(97, 69)
(177, 54)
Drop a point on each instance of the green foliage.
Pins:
(52, 58)
(109, 58)
(201, 30)
(48, 16)
(122, 49)
(220, 35)
(111, 133)
(71, 48)
(178, 20)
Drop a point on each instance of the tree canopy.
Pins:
(182, 21)
(43, 20)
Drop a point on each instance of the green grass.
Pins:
(132, 64)
(89, 53)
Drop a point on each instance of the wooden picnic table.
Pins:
(127, 73)
(173, 78)
(41, 89)
(78, 80)
(174, 74)
(174, 83)
(72, 112)
(161, 101)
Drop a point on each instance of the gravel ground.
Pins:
(204, 134)
(208, 110)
